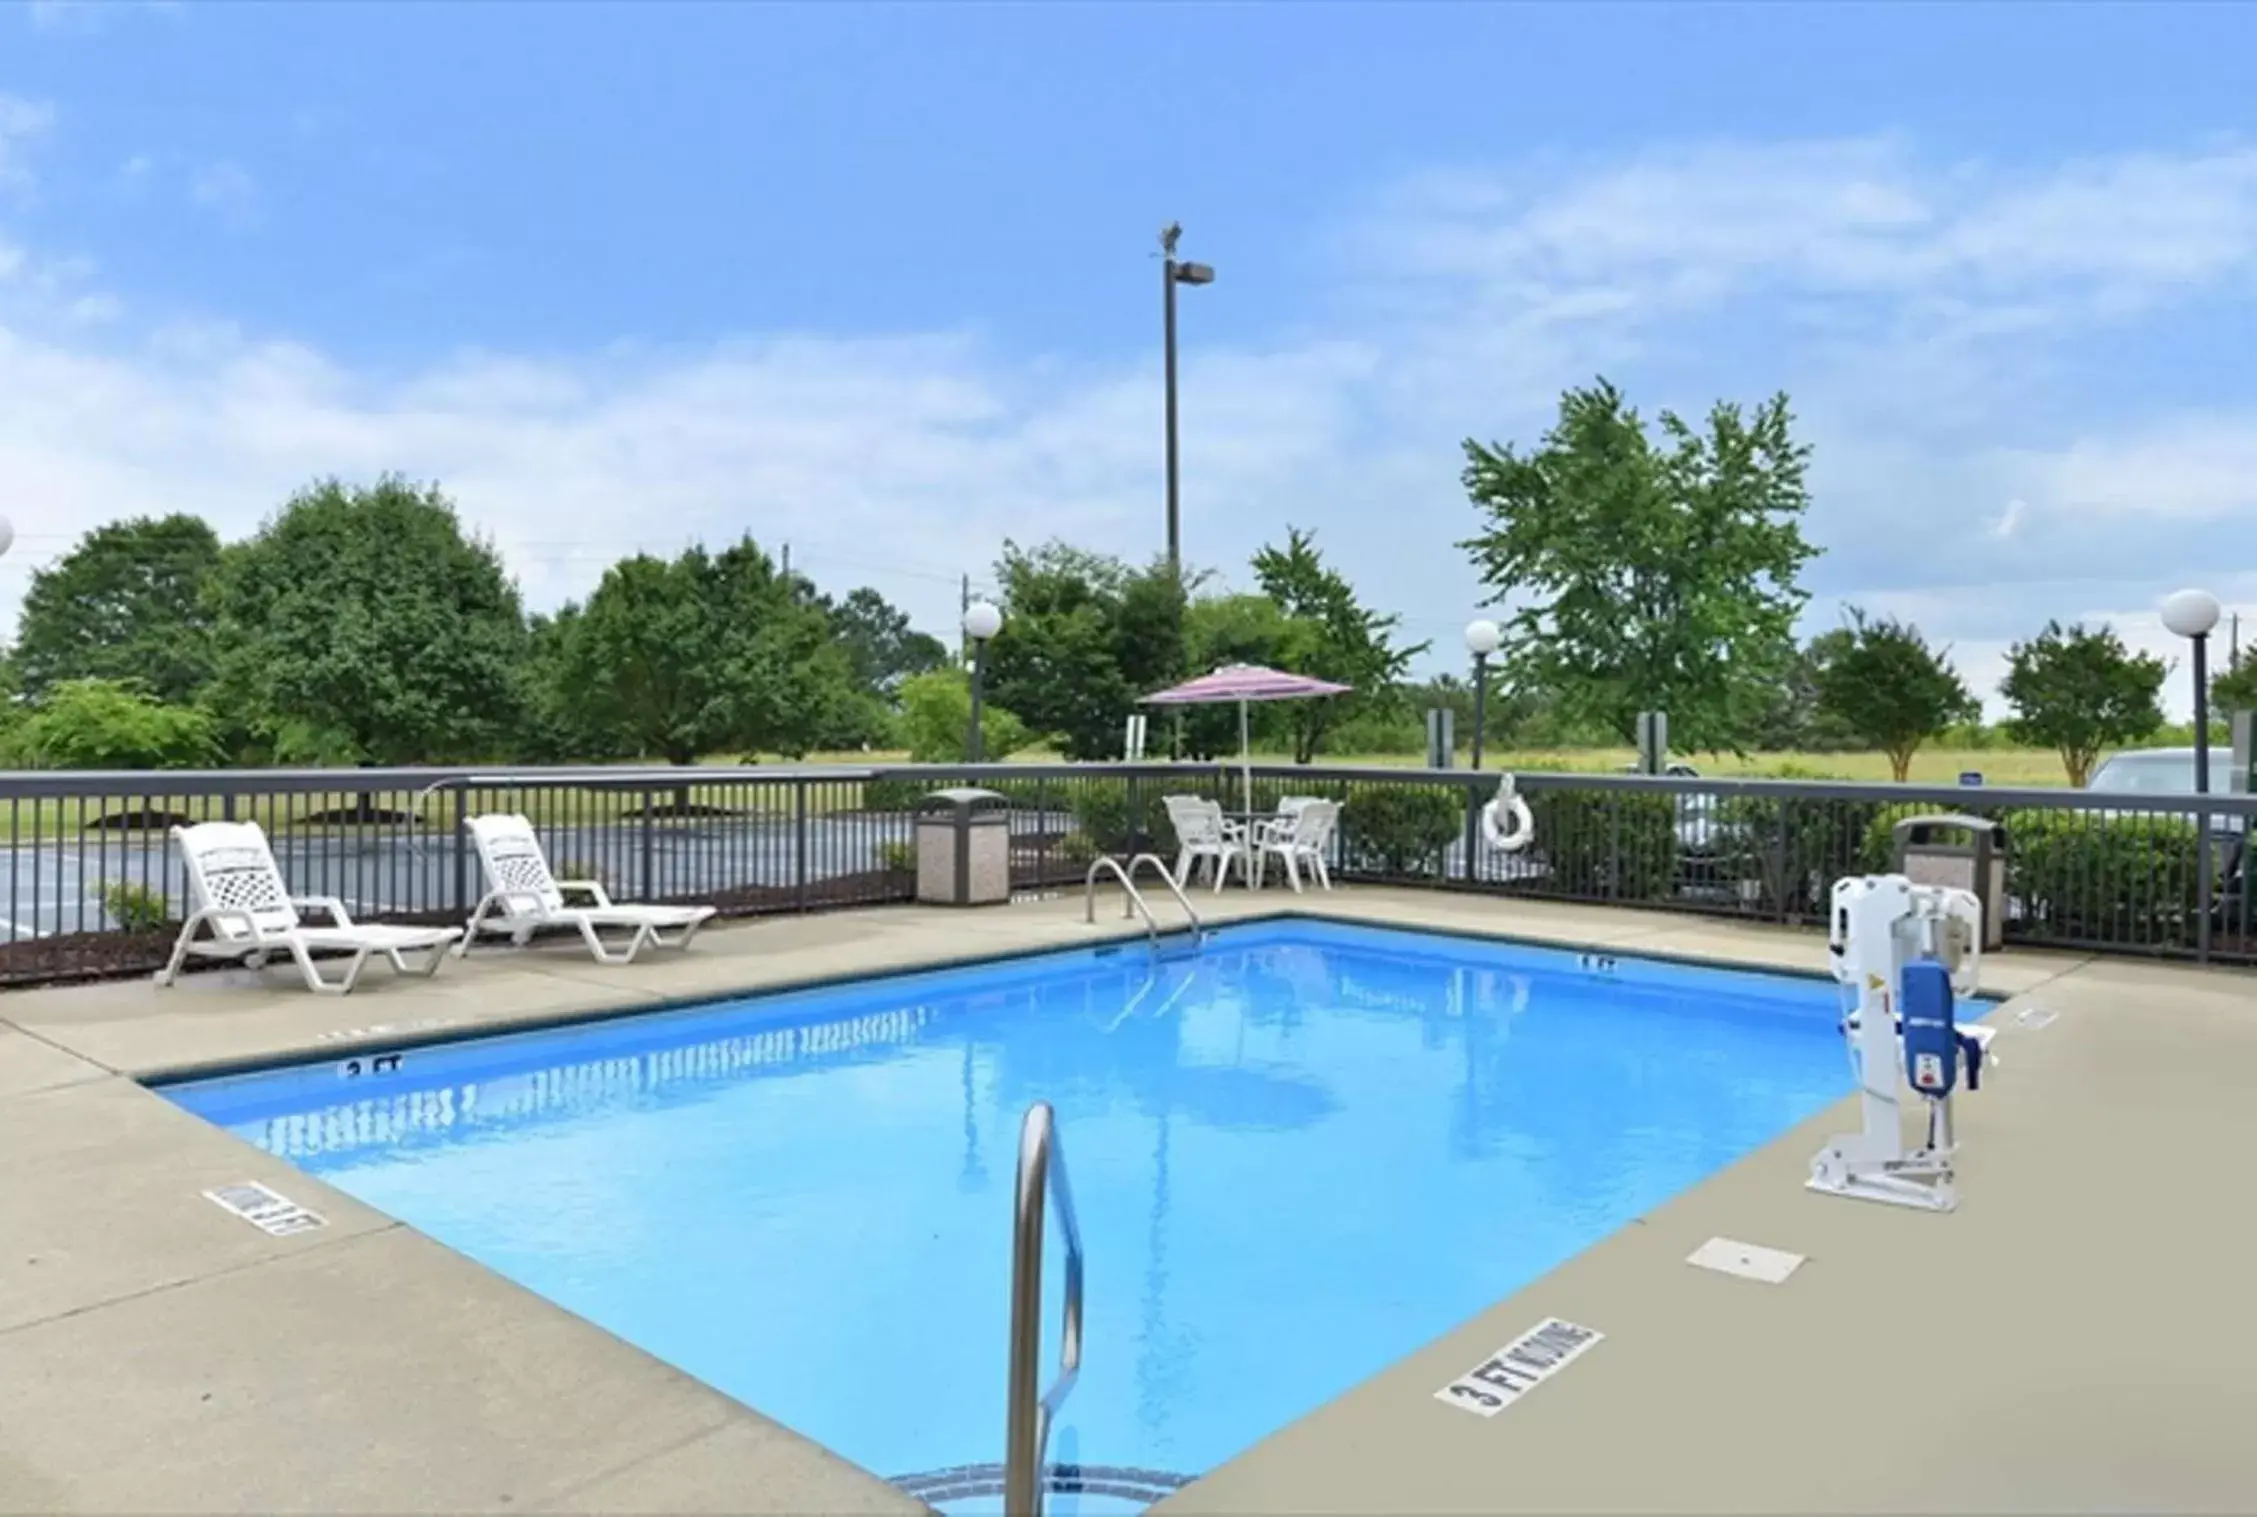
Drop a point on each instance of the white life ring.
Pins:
(1507, 805)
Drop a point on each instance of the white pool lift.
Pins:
(1906, 951)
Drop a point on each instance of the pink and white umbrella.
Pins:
(1244, 684)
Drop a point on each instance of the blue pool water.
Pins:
(1296, 1156)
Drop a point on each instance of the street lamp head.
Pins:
(1482, 637)
(1195, 273)
(2190, 613)
(982, 621)
(7, 534)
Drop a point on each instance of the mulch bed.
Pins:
(68, 958)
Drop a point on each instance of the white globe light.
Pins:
(982, 621)
(7, 534)
(1482, 636)
(2190, 613)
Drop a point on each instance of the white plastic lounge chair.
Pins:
(1297, 837)
(522, 897)
(1205, 834)
(238, 894)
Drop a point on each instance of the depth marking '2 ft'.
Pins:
(1518, 1368)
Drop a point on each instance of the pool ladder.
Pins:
(1026, 1441)
(1136, 904)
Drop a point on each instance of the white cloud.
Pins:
(2186, 469)
(21, 122)
(1887, 292)
(223, 187)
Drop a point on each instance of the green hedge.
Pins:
(1607, 843)
(1399, 830)
(2128, 879)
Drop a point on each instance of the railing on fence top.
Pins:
(93, 885)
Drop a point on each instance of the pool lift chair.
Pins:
(1905, 952)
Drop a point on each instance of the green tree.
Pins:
(1793, 719)
(1890, 689)
(1083, 637)
(107, 724)
(127, 603)
(1220, 630)
(1337, 639)
(700, 654)
(936, 717)
(882, 649)
(362, 625)
(2235, 686)
(2080, 692)
(1657, 577)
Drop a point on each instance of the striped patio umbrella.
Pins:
(1244, 684)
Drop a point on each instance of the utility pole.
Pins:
(1173, 273)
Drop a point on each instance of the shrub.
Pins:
(2127, 879)
(101, 724)
(1102, 813)
(898, 858)
(893, 795)
(1620, 844)
(1399, 829)
(936, 713)
(135, 908)
(1788, 851)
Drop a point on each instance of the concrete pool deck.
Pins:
(2084, 1347)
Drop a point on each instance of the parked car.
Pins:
(2164, 771)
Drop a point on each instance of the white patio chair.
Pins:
(1203, 833)
(1297, 837)
(238, 894)
(522, 897)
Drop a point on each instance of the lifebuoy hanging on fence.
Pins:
(1507, 824)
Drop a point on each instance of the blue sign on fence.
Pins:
(1970, 776)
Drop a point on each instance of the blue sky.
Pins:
(876, 280)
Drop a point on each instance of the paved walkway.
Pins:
(158, 1354)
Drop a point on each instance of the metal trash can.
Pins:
(963, 848)
(1927, 854)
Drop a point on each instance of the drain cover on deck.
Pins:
(968, 1486)
(1750, 1261)
(267, 1210)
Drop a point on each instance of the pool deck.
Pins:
(2076, 1337)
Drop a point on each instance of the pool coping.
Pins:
(51, 1047)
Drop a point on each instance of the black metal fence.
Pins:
(94, 886)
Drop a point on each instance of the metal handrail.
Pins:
(1135, 903)
(1198, 928)
(1026, 1439)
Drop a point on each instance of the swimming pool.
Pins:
(1297, 1156)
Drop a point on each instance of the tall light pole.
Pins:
(981, 622)
(1481, 638)
(2191, 614)
(1172, 273)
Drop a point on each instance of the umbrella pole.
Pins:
(1246, 761)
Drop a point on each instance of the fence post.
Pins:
(799, 842)
(1473, 832)
(1789, 883)
(2204, 879)
(460, 794)
(650, 846)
